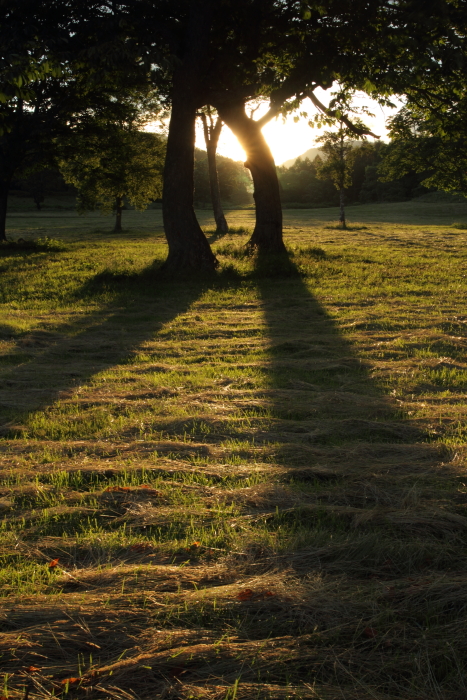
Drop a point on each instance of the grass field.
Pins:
(248, 486)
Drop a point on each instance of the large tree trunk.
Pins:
(4, 187)
(188, 247)
(267, 235)
(118, 215)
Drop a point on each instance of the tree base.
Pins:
(266, 241)
(192, 263)
(222, 226)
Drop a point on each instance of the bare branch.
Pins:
(270, 114)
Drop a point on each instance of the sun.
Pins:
(289, 139)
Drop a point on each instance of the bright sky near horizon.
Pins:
(289, 139)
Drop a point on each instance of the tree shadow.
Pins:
(216, 236)
(352, 460)
(46, 365)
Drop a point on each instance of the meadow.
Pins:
(245, 486)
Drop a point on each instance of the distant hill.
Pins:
(311, 154)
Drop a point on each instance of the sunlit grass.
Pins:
(301, 437)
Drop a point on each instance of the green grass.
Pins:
(255, 483)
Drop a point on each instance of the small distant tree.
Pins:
(212, 127)
(111, 165)
(338, 150)
(37, 193)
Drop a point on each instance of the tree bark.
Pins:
(188, 247)
(211, 138)
(219, 216)
(267, 235)
(342, 208)
(4, 188)
(118, 215)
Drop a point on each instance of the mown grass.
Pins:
(254, 484)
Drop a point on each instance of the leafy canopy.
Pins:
(428, 144)
(112, 165)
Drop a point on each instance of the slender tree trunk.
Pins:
(211, 138)
(267, 235)
(118, 216)
(342, 208)
(221, 222)
(188, 247)
(4, 187)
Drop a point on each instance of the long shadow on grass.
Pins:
(52, 364)
(351, 459)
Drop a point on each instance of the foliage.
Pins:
(339, 153)
(300, 184)
(425, 144)
(115, 163)
(234, 182)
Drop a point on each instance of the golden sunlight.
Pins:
(288, 139)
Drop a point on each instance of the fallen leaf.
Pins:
(370, 632)
(53, 563)
(246, 594)
(32, 669)
(70, 681)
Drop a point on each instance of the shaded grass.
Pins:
(254, 484)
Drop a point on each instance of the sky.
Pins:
(289, 139)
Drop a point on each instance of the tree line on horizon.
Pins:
(300, 186)
(91, 73)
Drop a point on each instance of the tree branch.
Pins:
(358, 130)
(205, 128)
(270, 114)
(216, 131)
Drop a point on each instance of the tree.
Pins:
(190, 41)
(116, 164)
(212, 127)
(40, 184)
(60, 63)
(224, 54)
(30, 71)
(339, 156)
(434, 145)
